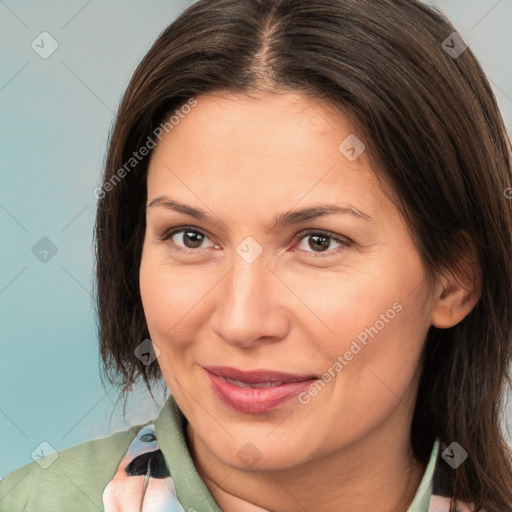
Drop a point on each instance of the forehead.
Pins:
(277, 148)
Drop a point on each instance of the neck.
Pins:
(377, 473)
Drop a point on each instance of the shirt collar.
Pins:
(421, 501)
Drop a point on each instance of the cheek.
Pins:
(382, 357)
(172, 298)
(375, 324)
(351, 306)
(158, 303)
(167, 301)
(375, 377)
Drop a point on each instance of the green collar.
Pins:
(170, 428)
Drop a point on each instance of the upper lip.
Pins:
(256, 376)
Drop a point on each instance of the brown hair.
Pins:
(433, 131)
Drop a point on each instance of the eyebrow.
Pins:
(290, 217)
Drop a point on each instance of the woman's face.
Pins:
(337, 292)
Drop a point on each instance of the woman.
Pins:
(303, 228)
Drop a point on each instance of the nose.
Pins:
(250, 305)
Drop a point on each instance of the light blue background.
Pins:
(55, 117)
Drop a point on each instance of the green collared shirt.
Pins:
(76, 479)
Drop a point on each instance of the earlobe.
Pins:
(456, 294)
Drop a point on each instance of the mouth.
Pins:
(255, 391)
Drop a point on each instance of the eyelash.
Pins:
(345, 242)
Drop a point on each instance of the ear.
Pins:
(457, 290)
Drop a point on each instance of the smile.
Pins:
(259, 391)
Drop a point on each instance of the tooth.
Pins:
(248, 385)
(267, 384)
(237, 383)
(261, 385)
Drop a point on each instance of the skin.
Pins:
(295, 308)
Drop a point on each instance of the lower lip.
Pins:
(256, 400)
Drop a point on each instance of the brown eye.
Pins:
(192, 239)
(186, 238)
(319, 242)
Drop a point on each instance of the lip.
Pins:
(283, 387)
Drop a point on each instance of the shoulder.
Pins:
(70, 479)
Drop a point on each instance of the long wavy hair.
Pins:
(435, 137)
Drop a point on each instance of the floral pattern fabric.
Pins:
(142, 482)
